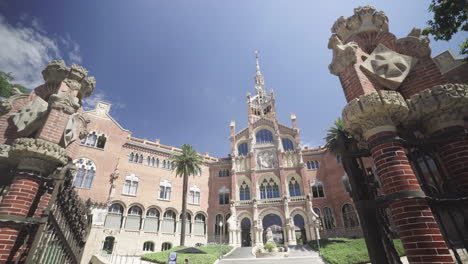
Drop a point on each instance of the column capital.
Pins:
(439, 107)
(374, 112)
(37, 155)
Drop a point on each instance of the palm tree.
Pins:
(186, 163)
(379, 246)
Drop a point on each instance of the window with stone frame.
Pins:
(148, 246)
(350, 218)
(218, 227)
(269, 189)
(131, 185)
(93, 139)
(166, 246)
(223, 196)
(200, 224)
(346, 185)
(85, 174)
(244, 192)
(294, 188)
(165, 189)
(317, 189)
(243, 149)
(108, 245)
(224, 173)
(328, 220)
(287, 144)
(312, 164)
(114, 216)
(194, 195)
(264, 136)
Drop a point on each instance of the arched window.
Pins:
(329, 221)
(152, 162)
(194, 195)
(91, 139)
(148, 161)
(317, 189)
(164, 164)
(169, 222)
(157, 163)
(243, 149)
(220, 173)
(131, 157)
(294, 188)
(346, 184)
(218, 227)
(101, 141)
(152, 220)
(114, 216)
(269, 189)
(244, 192)
(108, 246)
(287, 144)
(312, 164)
(140, 159)
(165, 189)
(131, 185)
(85, 174)
(148, 246)
(188, 223)
(133, 221)
(316, 164)
(223, 196)
(200, 224)
(166, 246)
(264, 136)
(350, 218)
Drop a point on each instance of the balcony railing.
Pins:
(297, 198)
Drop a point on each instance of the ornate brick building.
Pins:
(268, 181)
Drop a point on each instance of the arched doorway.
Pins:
(273, 222)
(299, 228)
(245, 232)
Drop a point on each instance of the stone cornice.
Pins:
(365, 19)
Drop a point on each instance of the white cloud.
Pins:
(91, 102)
(27, 49)
(313, 144)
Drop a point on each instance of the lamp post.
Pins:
(220, 237)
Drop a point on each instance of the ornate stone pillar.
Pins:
(374, 116)
(442, 110)
(35, 159)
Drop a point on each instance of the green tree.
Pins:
(186, 163)
(6, 87)
(336, 138)
(450, 16)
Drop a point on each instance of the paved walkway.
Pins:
(297, 255)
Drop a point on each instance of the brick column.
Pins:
(35, 158)
(411, 214)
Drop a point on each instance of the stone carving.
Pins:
(388, 67)
(4, 153)
(344, 55)
(241, 163)
(377, 109)
(102, 109)
(365, 18)
(70, 133)
(66, 101)
(269, 236)
(74, 77)
(416, 43)
(440, 106)
(37, 155)
(5, 107)
(30, 117)
(266, 159)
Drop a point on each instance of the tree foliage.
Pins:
(450, 16)
(337, 137)
(6, 85)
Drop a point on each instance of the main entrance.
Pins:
(245, 232)
(273, 222)
(299, 229)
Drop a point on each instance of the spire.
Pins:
(259, 81)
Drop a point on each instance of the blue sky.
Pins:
(180, 70)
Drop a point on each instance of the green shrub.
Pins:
(209, 258)
(269, 246)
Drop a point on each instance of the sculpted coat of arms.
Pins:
(266, 159)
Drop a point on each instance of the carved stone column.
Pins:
(374, 116)
(441, 110)
(34, 160)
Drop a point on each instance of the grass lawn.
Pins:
(347, 251)
(210, 258)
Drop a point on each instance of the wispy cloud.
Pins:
(27, 48)
(91, 102)
(311, 144)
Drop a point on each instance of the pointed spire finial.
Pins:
(259, 81)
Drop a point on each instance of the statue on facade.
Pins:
(269, 236)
